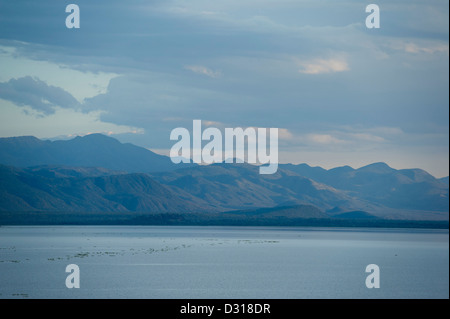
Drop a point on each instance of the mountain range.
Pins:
(98, 174)
(94, 150)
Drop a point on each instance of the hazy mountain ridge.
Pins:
(35, 189)
(378, 183)
(240, 186)
(94, 150)
(109, 181)
(445, 180)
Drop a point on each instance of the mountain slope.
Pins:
(98, 173)
(94, 150)
(240, 186)
(378, 183)
(36, 189)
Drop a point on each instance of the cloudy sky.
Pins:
(340, 93)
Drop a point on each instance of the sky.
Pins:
(339, 92)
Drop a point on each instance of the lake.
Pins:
(187, 262)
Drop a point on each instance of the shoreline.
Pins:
(169, 219)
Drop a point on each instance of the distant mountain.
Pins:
(97, 173)
(373, 189)
(94, 150)
(444, 180)
(75, 190)
(315, 173)
(240, 186)
(378, 183)
(214, 188)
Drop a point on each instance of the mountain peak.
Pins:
(341, 170)
(93, 150)
(379, 167)
(96, 137)
(445, 180)
(21, 139)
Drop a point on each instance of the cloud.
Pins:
(37, 94)
(257, 63)
(366, 137)
(80, 84)
(356, 136)
(428, 47)
(342, 137)
(320, 66)
(284, 134)
(384, 130)
(414, 48)
(324, 139)
(16, 121)
(203, 70)
(380, 134)
(212, 123)
(173, 119)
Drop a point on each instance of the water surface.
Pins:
(222, 262)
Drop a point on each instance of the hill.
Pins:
(41, 189)
(380, 184)
(97, 173)
(94, 150)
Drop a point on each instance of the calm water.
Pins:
(222, 262)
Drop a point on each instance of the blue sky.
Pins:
(340, 94)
